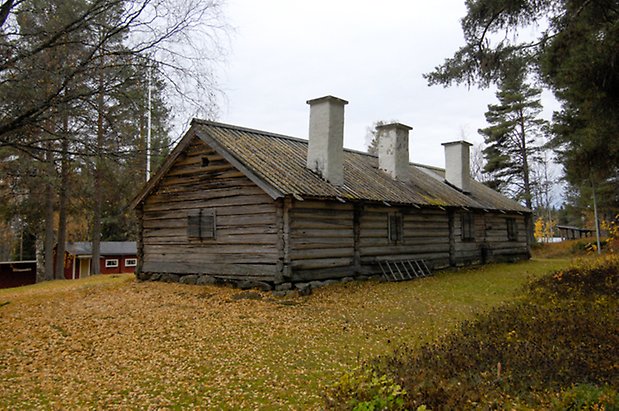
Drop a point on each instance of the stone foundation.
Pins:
(278, 290)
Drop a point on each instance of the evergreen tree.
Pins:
(371, 135)
(511, 137)
(164, 29)
(575, 55)
(100, 134)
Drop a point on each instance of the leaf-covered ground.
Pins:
(114, 343)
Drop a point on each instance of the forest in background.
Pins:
(87, 94)
(574, 54)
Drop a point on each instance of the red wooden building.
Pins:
(17, 273)
(116, 257)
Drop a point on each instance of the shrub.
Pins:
(582, 279)
(364, 390)
(561, 333)
(587, 247)
(588, 397)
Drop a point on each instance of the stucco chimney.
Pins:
(393, 149)
(457, 164)
(325, 154)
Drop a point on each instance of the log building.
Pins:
(242, 204)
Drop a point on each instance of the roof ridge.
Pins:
(287, 137)
(251, 130)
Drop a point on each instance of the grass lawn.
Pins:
(112, 342)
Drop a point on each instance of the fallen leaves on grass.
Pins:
(120, 344)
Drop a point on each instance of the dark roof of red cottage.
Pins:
(277, 164)
(106, 248)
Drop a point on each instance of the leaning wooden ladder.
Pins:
(402, 270)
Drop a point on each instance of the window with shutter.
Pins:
(201, 224)
(395, 227)
(512, 230)
(468, 224)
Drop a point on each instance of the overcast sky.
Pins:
(372, 54)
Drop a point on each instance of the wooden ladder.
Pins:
(402, 270)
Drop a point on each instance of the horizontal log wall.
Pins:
(246, 239)
(501, 247)
(320, 240)
(490, 242)
(425, 236)
(468, 251)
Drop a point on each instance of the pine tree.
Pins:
(510, 139)
(371, 135)
(574, 54)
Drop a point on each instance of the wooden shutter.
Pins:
(201, 224)
(193, 224)
(468, 224)
(395, 227)
(512, 230)
(207, 224)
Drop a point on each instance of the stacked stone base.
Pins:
(278, 290)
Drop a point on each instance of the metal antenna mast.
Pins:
(148, 124)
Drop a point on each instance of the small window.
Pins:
(131, 262)
(205, 162)
(111, 263)
(468, 224)
(201, 224)
(395, 228)
(512, 230)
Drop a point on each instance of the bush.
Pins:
(588, 397)
(364, 390)
(562, 333)
(582, 280)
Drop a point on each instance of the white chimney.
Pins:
(457, 165)
(393, 149)
(325, 154)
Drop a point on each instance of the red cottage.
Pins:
(116, 257)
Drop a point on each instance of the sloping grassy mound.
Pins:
(538, 352)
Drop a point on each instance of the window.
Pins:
(205, 162)
(201, 224)
(111, 263)
(131, 262)
(468, 224)
(512, 230)
(395, 228)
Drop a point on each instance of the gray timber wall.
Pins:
(425, 235)
(501, 248)
(321, 240)
(490, 242)
(247, 224)
(331, 239)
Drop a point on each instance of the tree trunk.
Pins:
(49, 217)
(597, 220)
(526, 178)
(97, 184)
(62, 202)
(39, 252)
